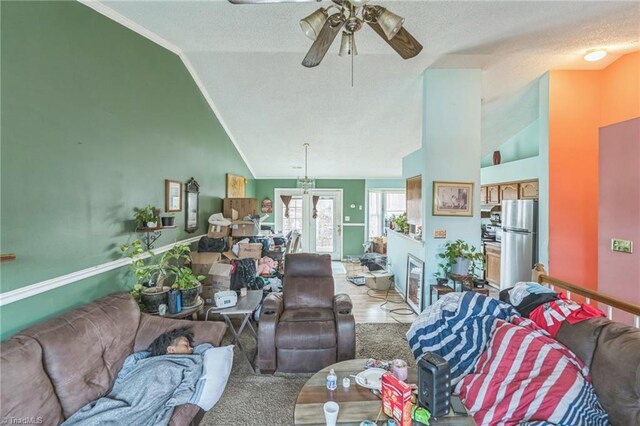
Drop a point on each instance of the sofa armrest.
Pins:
(152, 326)
(345, 327)
(272, 308)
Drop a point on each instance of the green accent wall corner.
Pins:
(94, 118)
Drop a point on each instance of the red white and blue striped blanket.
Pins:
(508, 370)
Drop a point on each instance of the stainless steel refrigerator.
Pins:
(519, 245)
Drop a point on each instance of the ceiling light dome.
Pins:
(595, 55)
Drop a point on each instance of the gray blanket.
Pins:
(145, 392)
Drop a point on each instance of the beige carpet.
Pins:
(254, 399)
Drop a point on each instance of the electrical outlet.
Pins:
(440, 233)
(622, 246)
(359, 207)
(347, 218)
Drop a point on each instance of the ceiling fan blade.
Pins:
(403, 42)
(269, 1)
(322, 43)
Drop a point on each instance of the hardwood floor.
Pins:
(371, 306)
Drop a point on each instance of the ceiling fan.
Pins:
(323, 27)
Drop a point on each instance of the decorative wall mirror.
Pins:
(191, 205)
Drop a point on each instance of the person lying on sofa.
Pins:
(151, 383)
(174, 342)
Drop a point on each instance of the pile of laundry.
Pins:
(547, 308)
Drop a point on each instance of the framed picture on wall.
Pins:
(172, 196)
(236, 186)
(415, 279)
(452, 198)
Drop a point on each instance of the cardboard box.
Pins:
(251, 250)
(242, 206)
(217, 231)
(218, 279)
(240, 228)
(382, 280)
(396, 399)
(201, 263)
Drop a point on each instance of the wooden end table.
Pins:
(185, 313)
(356, 402)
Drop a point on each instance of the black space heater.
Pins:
(434, 384)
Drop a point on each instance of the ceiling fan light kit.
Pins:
(312, 24)
(348, 45)
(323, 28)
(390, 23)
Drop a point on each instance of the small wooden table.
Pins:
(186, 312)
(356, 402)
(440, 290)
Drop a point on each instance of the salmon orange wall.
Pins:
(621, 90)
(580, 102)
(574, 112)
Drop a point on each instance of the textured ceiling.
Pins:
(248, 59)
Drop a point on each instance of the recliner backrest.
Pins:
(308, 281)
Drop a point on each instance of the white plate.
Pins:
(373, 378)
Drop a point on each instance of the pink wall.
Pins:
(619, 212)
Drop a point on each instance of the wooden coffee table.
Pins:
(356, 402)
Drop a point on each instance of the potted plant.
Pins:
(148, 290)
(401, 223)
(174, 262)
(478, 267)
(168, 219)
(457, 258)
(188, 284)
(147, 217)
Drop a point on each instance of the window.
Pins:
(384, 205)
(294, 222)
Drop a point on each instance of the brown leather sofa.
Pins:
(306, 327)
(51, 370)
(612, 352)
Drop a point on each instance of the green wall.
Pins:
(353, 193)
(94, 118)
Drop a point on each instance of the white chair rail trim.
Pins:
(50, 284)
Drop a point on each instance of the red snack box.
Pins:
(396, 399)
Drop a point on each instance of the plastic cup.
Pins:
(331, 413)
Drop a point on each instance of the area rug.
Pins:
(255, 399)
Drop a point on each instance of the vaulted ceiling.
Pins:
(247, 59)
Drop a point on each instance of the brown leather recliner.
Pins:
(306, 327)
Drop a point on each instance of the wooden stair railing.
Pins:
(590, 295)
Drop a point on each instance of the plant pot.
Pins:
(461, 267)
(190, 296)
(167, 220)
(152, 224)
(153, 298)
(478, 283)
(442, 281)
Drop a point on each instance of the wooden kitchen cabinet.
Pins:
(492, 253)
(509, 192)
(528, 190)
(493, 194)
(483, 195)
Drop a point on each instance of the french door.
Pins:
(322, 234)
